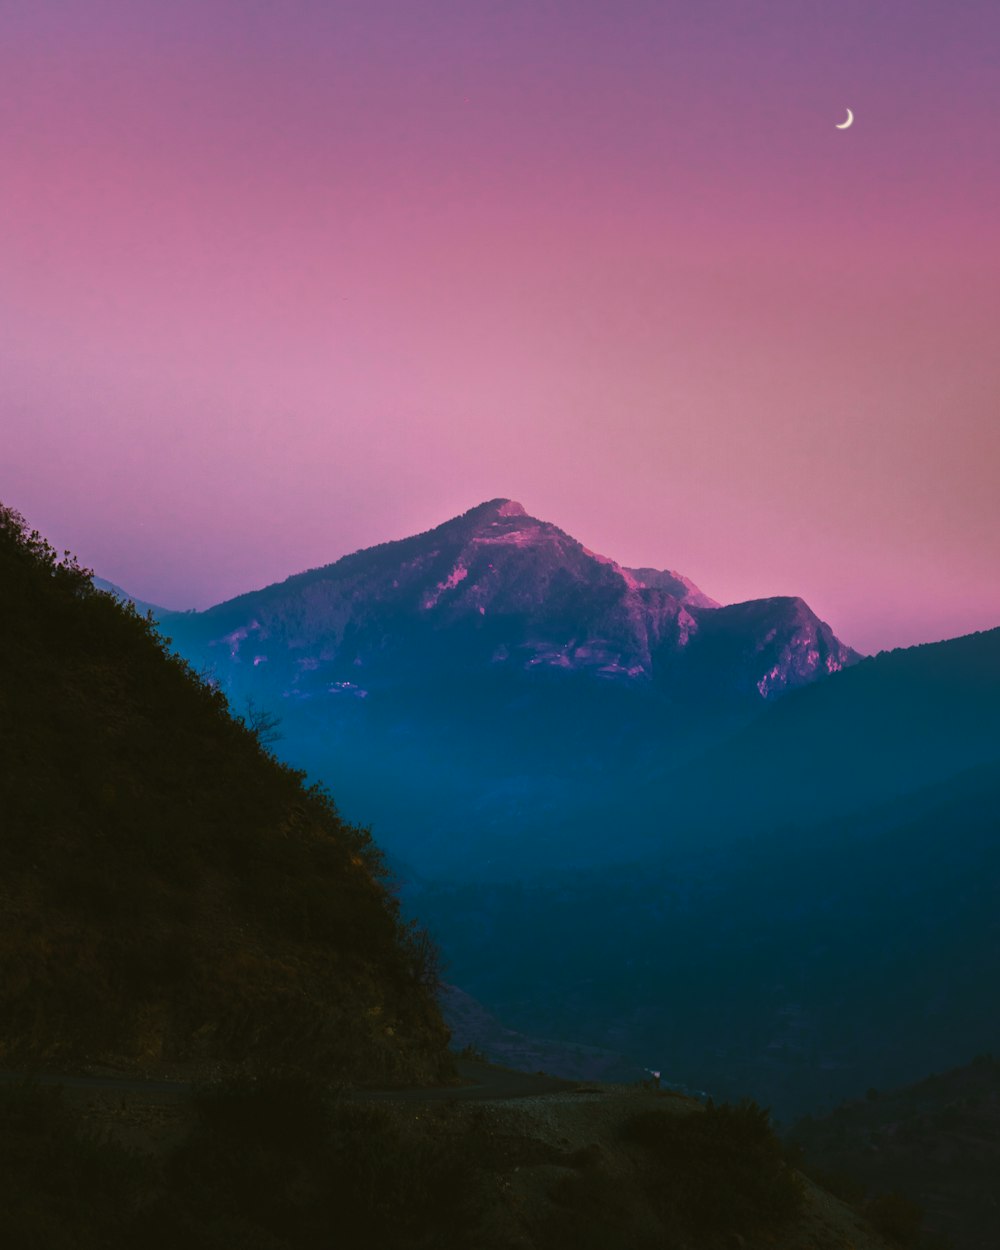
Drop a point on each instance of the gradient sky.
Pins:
(280, 280)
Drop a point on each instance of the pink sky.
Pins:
(277, 282)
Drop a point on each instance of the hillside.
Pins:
(882, 728)
(936, 1142)
(170, 892)
(283, 1165)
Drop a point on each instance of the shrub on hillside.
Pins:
(60, 1186)
(720, 1169)
(275, 1161)
(268, 1163)
(896, 1218)
(287, 1111)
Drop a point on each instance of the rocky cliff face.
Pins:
(497, 590)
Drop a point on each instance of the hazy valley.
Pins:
(711, 840)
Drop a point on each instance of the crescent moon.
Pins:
(844, 125)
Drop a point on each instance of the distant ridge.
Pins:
(123, 596)
(893, 723)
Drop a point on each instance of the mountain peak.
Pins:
(496, 508)
(509, 507)
(497, 588)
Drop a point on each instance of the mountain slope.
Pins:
(887, 726)
(169, 891)
(937, 1142)
(142, 607)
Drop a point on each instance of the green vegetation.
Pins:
(722, 1170)
(169, 891)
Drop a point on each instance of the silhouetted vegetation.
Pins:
(921, 1161)
(168, 889)
(274, 1162)
(896, 1217)
(279, 1159)
(287, 1111)
(61, 1186)
(267, 1162)
(720, 1170)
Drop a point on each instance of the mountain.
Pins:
(784, 896)
(494, 675)
(175, 902)
(496, 590)
(169, 892)
(142, 607)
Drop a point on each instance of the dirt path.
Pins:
(480, 1082)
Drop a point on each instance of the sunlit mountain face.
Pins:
(497, 590)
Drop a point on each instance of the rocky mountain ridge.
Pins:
(498, 590)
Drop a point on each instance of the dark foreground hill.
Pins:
(284, 1165)
(169, 892)
(936, 1143)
